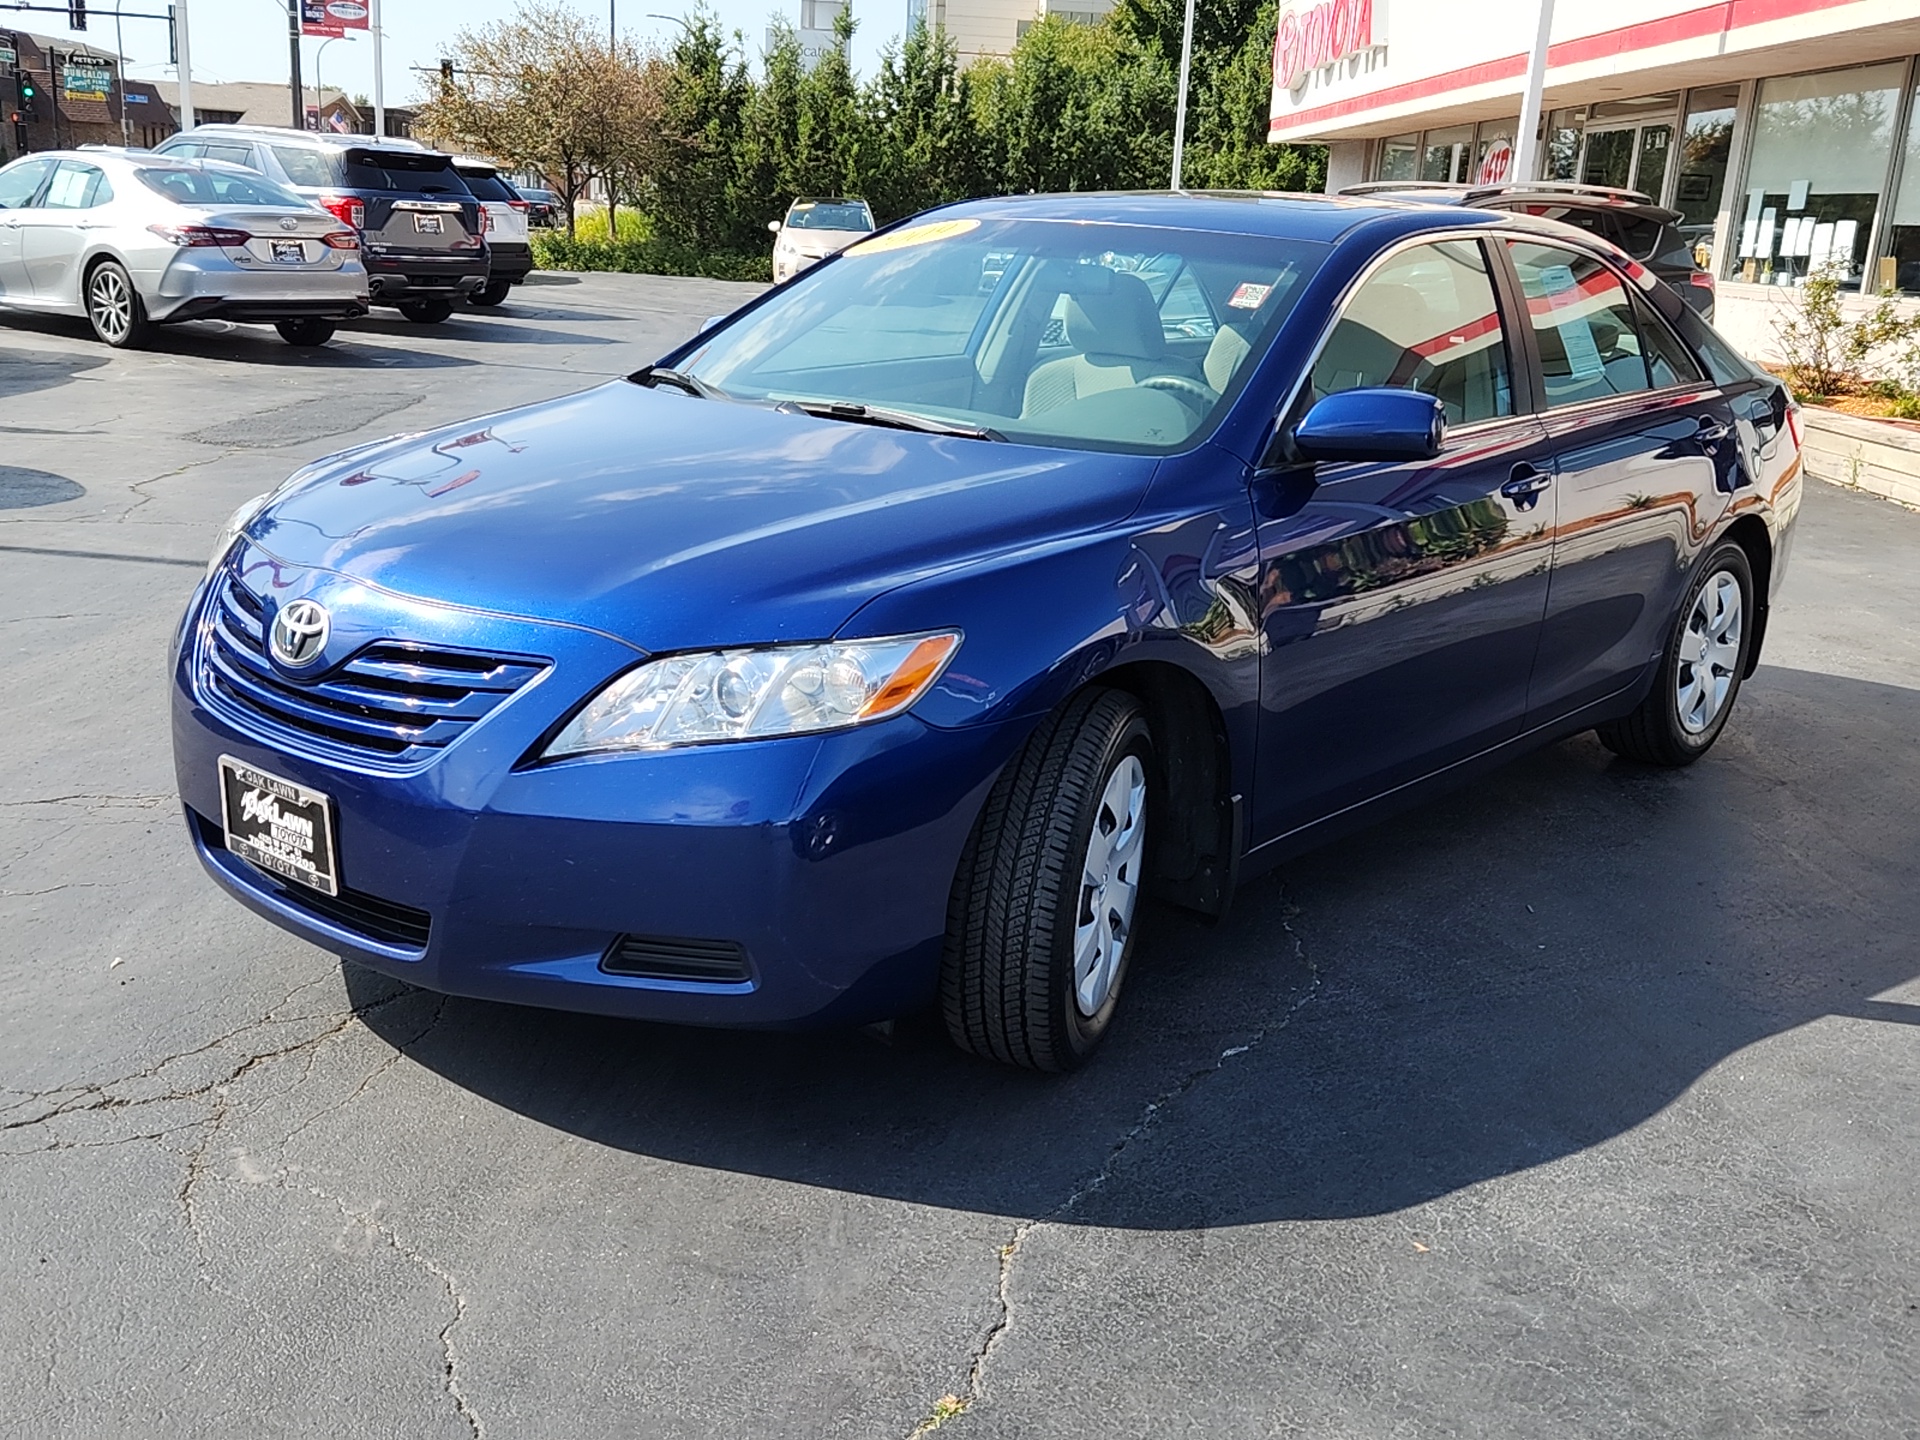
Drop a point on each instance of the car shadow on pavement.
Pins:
(466, 327)
(206, 340)
(24, 371)
(1501, 978)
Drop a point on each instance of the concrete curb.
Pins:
(1871, 455)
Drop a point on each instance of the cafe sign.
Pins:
(1311, 36)
(83, 80)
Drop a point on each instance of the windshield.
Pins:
(192, 186)
(1105, 337)
(829, 215)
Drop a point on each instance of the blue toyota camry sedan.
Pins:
(886, 644)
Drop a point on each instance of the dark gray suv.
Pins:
(421, 232)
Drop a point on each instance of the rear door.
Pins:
(417, 204)
(1646, 456)
(55, 232)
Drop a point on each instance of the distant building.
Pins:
(265, 103)
(990, 27)
(80, 97)
(815, 30)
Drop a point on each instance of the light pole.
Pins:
(1525, 144)
(184, 62)
(319, 90)
(1180, 105)
(379, 78)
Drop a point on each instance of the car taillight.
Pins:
(347, 211)
(1702, 279)
(486, 221)
(520, 205)
(1793, 422)
(341, 240)
(186, 236)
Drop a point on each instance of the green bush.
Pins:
(649, 256)
(1905, 407)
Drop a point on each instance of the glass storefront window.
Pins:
(1562, 150)
(1820, 148)
(1493, 153)
(1399, 157)
(1706, 138)
(1448, 154)
(1900, 265)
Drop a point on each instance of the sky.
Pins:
(247, 39)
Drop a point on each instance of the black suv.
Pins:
(1647, 231)
(421, 232)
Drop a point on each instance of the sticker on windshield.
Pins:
(913, 235)
(1250, 296)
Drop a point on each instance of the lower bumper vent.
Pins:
(657, 958)
(387, 921)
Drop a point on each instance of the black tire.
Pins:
(426, 312)
(1007, 985)
(1657, 733)
(114, 307)
(493, 294)
(306, 334)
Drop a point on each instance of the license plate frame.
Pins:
(289, 252)
(282, 828)
(429, 224)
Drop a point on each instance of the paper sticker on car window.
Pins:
(1249, 296)
(913, 235)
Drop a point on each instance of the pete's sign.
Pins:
(1315, 35)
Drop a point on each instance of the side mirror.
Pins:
(775, 226)
(1373, 424)
(708, 323)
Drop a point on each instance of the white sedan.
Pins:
(813, 230)
(132, 240)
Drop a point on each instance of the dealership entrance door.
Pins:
(1628, 157)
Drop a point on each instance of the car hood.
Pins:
(821, 242)
(674, 522)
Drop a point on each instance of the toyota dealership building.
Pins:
(1784, 131)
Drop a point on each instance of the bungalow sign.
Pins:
(1312, 36)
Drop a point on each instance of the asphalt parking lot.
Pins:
(1586, 1102)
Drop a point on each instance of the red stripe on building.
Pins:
(1718, 19)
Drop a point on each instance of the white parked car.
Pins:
(813, 230)
(132, 240)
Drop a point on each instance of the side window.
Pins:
(1425, 320)
(1667, 358)
(182, 149)
(234, 154)
(19, 182)
(303, 166)
(1583, 323)
(77, 187)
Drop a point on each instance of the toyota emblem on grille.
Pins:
(300, 633)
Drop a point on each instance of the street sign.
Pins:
(8, 56)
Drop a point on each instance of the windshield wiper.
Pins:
(894, 419)
(679, 379)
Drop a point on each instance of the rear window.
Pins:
(319, 168)
(1639, 236)
(192, 186)
(403, 171)
(488, 187)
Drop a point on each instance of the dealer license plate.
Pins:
(289, 252)
(282, 827)
(427, 224)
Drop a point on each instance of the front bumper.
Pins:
(827, 859)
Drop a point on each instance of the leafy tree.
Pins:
(693, 191)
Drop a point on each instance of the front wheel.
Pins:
(492, 295)
(1041, 924)
(426, 312)
(114, 307)
(305, 334)
(1700, 671)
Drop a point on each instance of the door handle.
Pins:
(1526, 484)
(1711, 431)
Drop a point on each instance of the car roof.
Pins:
(1293, 216)
(1567, 193)
(316, 139)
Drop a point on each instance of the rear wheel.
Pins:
(426, 312)
(1040, 928)
(306, 333)
(494, 293)
(1700, 672)
(114, 307)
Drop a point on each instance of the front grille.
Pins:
(394, 701)
(659, 958)
(387, 921)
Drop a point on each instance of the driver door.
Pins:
(17, 188)
(1401, 603)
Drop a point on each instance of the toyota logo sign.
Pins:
(300, 633)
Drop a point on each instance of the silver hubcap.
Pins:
(111, 304)
(1109, 885)
(1709, 651)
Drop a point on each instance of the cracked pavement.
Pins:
(1580, 1103)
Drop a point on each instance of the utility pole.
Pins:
(183, 60)
(1526, 145)
(1180, 105)
(379, 79)
(293, 45)
(120, 78)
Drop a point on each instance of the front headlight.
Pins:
(230, 531)
(756, 694)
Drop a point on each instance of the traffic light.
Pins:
(76, 14)
(446, 77)
(29, 93)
